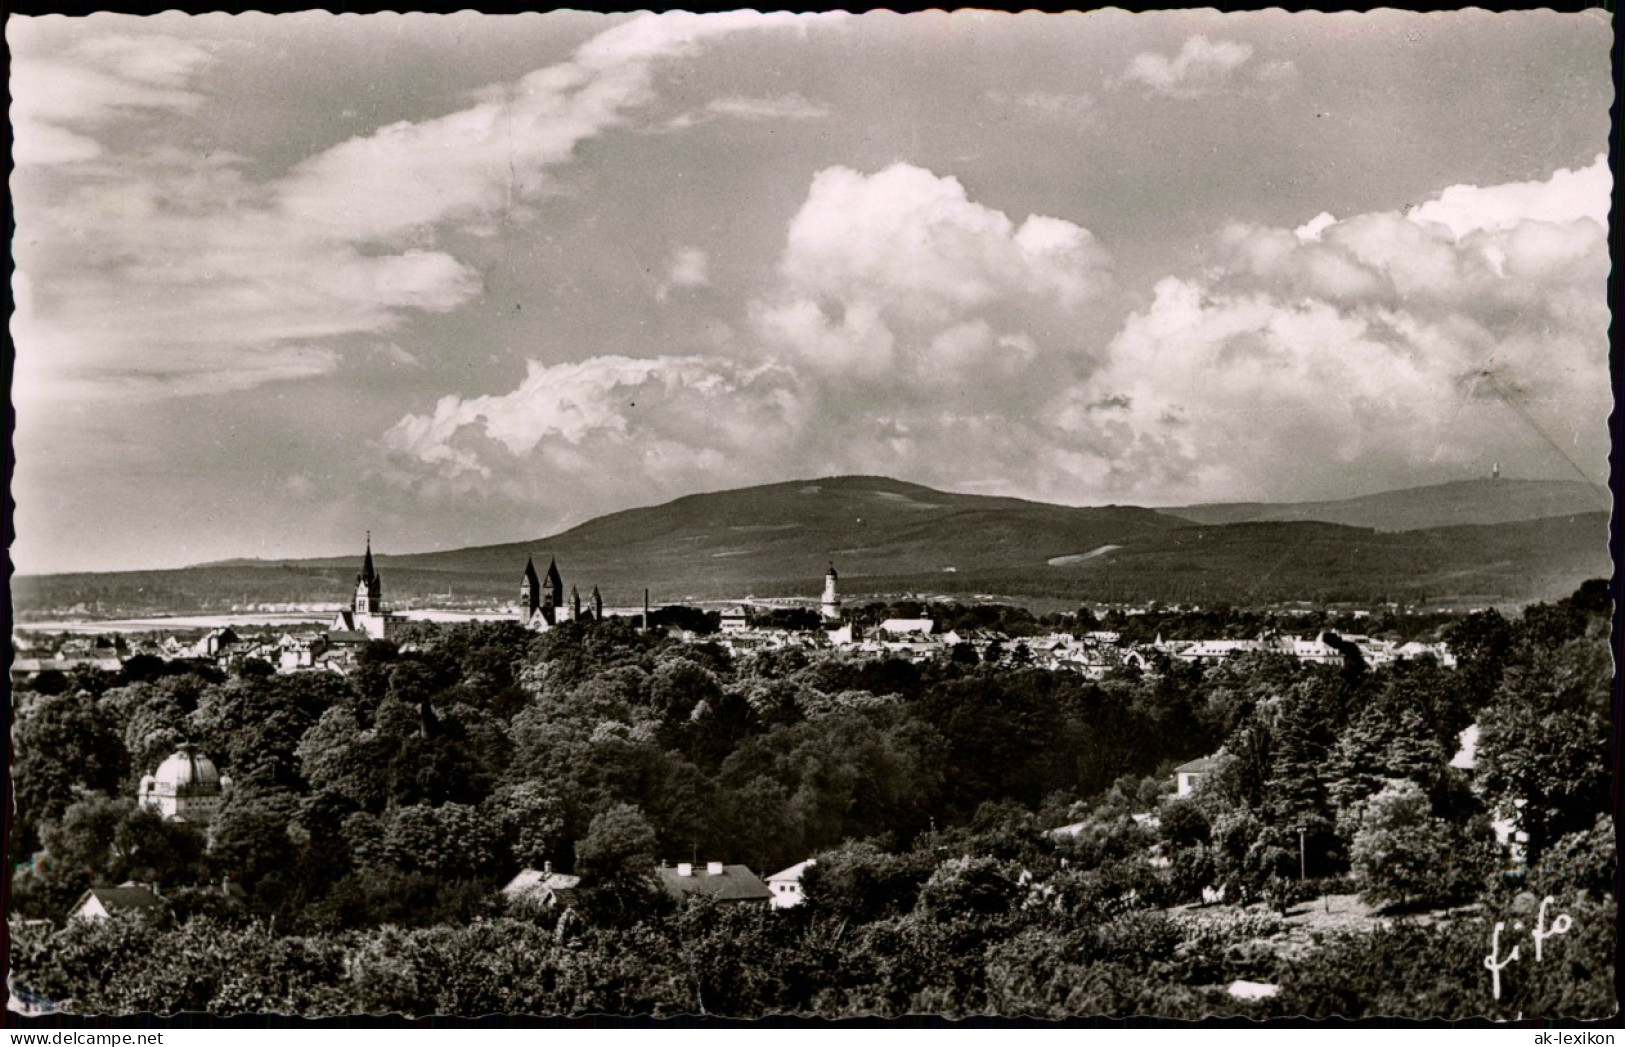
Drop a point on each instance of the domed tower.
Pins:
(369, 587)
(830, 607)
(186, 787)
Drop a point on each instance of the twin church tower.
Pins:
(542, 604)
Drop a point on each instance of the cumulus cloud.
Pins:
(158, 270)
(607, 427)
(912, 311)
(1476, 322)
(910, 330)
(1567, 196)
(1203, 67)
(915, 331)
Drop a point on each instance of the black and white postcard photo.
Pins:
(1086, 517)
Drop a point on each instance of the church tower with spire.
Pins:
(365, 617)
(369, 587)
(530, 592)
(553, 592)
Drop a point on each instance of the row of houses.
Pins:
(717, 881)
(535, 888)
(223, 648)
(1092, 654)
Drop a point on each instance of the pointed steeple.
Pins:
(554, 584)
(369, 588)
(530, 590)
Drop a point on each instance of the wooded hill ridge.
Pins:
(1502, 541)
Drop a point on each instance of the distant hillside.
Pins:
(1464, 502)
(731, 541)
(1272, 562)
(889, 537)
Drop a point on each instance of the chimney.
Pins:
(547, 868)
(713, 868)
(685, 869)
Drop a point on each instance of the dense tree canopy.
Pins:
(375, 817)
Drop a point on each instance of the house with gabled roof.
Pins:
(542, 888)
(99, 903)
(715, 880)
(786, 885)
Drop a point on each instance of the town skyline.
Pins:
(281, 279)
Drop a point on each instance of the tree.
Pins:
(616, 862)
(619, 843)
(155, 729)
(101, 841)
(249, 837)
(862, 882)
(1543, 744)
(1481, 642)
(336, 756)
(451, 841)
(1184, 824)
(530, 820)
(1402, 853)
(64, 747)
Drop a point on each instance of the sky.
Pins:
(466, 279)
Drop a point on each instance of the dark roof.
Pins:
(554, 581)
(347, 636)
(120, 899)
(736, 883)
(530, 574)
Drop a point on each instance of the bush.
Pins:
(1437, 971)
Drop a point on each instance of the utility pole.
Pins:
(1302, 866)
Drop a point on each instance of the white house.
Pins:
(786, 885)
(1187, 776)
(99, 903)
